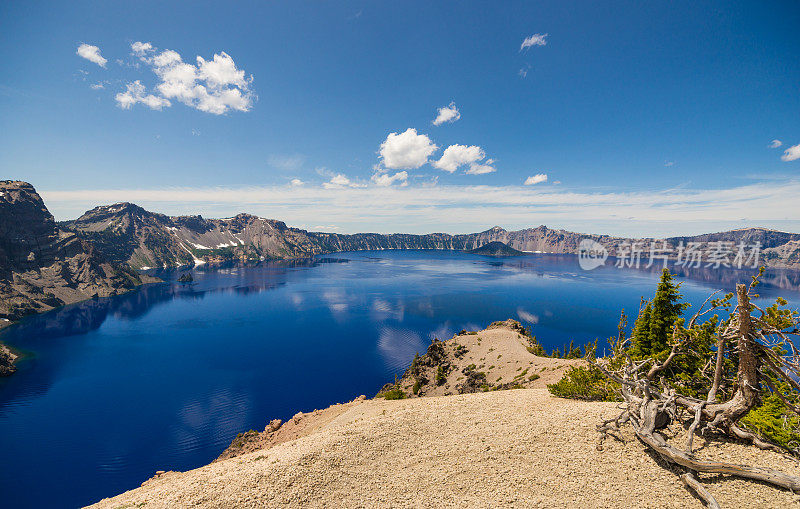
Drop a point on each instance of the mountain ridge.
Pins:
(125, 232)
(43, 266)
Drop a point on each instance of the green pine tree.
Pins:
(666, 309)
(640, 338)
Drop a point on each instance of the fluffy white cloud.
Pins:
(791, 154)
(536, 179)
(458, 155)
(534, 40)
(296, 183)
(775, 143)
(214, 86)
(340, 181)
(447, 113)
(92, 54)
(407, 150)
(386, 180)
(136, 93)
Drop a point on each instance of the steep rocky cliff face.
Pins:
(127, 233)
(41, 266)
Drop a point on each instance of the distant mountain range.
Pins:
(125, 232)
(44, 264)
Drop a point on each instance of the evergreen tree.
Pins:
(640, 338)
(666, 310)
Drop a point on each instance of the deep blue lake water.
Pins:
(164, 377)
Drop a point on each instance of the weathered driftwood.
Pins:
(649, 410)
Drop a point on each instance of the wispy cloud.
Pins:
(286, 162)
(419, 209)
(92, 54)
(447, 114)
(791, 154)
(536, 179)
(534, 40)
(137, 93)
(340, 181)
(382, 179)
(775, 143)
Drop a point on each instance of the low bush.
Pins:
(586, 383)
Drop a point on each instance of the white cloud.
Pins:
(136, 93)
(669, 163)
(407, 150)
(775, 143)
(469, 208)
(214, 86)
(296, 183)
(534, 40)
(286, 162)
(325, 228)
(141, 48)
(536, 179)
(791, 154)
(481, 169)
(458, 155)
(97, 86)
(447, 113)
(340, 181)
(386, 180)
(92, 54)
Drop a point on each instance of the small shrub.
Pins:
(774, 421)
(396, 393)
(586, 383)
(441, 375)
(533, 377)
(416, 388)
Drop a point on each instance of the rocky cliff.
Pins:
(42, 266)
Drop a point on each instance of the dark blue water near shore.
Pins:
(164, 377)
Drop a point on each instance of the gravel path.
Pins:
(520, 448)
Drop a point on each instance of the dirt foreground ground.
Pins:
(520, 448)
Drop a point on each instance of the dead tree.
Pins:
(760, 343)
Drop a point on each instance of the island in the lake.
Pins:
(496, 248)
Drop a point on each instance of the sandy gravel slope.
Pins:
(519, 448)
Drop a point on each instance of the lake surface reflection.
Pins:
(164, 377)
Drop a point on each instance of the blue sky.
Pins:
(645, 119)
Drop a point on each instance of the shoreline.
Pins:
(9, 356)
